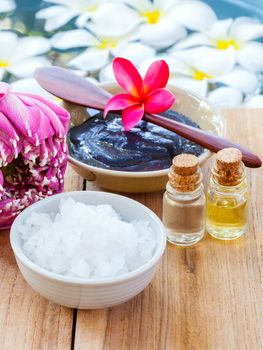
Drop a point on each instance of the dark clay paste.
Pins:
(104, 143)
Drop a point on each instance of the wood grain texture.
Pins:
(28, 321)
(207, 297)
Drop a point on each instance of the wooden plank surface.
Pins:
(207, 297)
(28, 321)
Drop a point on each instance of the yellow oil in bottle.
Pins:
(227, 217)
(227, 196)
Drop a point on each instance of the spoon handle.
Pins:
(73, 88)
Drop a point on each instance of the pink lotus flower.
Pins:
(33, 151)
(143, 95)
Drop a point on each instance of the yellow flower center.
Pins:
(225, 44)
(199, 75)
(91, 8)
(152, 17)
(4, 63)
(107, 44)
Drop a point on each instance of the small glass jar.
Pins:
(184, 202)
(227, 198)
(184, 215)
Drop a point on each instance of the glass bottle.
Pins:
(227, 196)
(184, 202)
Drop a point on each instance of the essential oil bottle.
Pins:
(227, 196)
(184, 202)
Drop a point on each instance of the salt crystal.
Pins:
(86, 241)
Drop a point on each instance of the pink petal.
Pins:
(131, 116)
(119, 102)
(159, 101)
(127, 76)
(62, 114)
(156, 77)
(4, 89)
(1, 179)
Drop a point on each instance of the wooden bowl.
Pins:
(187, 103)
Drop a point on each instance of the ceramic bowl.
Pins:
(90, 293)
(187, 103)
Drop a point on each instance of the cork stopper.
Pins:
(185, 174)
(228, 169)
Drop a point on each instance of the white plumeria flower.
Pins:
(135, 52)
(160, 22)
(7, 6)
(64, 10)
(99, 49)
(237, 84)
(238, 34)
(254, 102)
(20, 56)
(194, 69)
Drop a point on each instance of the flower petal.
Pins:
(7, 5)
(132, 116)
(199, 87)
(156, 77)
(159, 101)
(4, 89)
(127, 76)
(241, 80)
(8, 42)
(91, 59)
(27, 67)
(114, 19)
(119, 102)
(209, 60)
(220, 29)
(226, 97)
(193, 40)
(245, 29)
(56, 16)
(30, 46)
(135, 52)
(162, 34)
(255, 102)
(72, 39)
(195, 15)
(106, 74)
(250, 56)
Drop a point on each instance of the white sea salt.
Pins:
(86, 241)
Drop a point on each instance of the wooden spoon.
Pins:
(73, 88)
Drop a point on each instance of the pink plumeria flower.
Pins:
(146, 95)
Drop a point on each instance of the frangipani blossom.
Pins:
(20, 56)
(33, 151)
(135, 52)
(7, 6)
(158, 23)
(99, 49)
(63, 11)
(194, 69)
(143, 95)
(238, 34)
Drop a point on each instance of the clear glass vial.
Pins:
(184, 202)
(227, 196)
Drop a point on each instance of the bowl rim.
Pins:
(20, 255)
(151, 173)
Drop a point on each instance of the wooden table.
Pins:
(207, 297)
